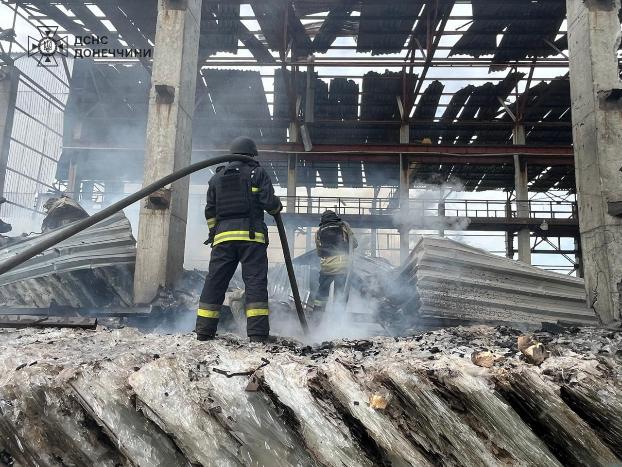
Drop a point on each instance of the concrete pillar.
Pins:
(310, 244)
(521, 188)
(292, 162)
(73, 181)
(596, 91)
(404, 133)
(374, 232)
(163, 217)
(294, 131)
(405, 220)
(509, 236)
(9, 82)
(310, 95)
(441, 210)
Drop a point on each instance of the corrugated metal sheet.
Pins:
(525, 27)
(91, 269)
(451, 113)
(343, 99)
(379, 95)
(425, 113)
(332, 25)
(233, 96)
(385, 27)
(434, 13)
(220, 25)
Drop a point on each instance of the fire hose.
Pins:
(76, 227)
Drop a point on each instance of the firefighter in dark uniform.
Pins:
(334, 241)
(237, 197)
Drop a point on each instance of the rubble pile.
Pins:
(459, 396)
(453, 282)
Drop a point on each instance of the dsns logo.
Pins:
(47, 46)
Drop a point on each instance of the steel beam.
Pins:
(521, 188)
(9, 82)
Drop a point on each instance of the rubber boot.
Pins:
(205, 337)
(262, 339)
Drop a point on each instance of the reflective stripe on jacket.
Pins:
(238, 235)
(334, 264)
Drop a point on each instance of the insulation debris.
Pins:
(120, 397)
(454, 282)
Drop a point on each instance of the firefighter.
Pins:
(237, 196)
(334, 241)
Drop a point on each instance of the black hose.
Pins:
(79, 226)
(289, 265)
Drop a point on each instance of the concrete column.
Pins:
(292, 163)
(404, 133)
(163, 217)
(9, 82)
(509, 236)
(310, 95)
(404, 229)
(73, 182)
(309, 239)
(374, 232)
(521, 188)
(596, 91)
(291, 183)
(441, 210)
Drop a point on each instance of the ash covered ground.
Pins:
(457, 396)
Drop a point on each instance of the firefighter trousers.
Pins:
(324, 288)
(223, 262)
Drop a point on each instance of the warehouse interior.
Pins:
(472, 145)
(455, 115)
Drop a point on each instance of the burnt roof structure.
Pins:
(436, 66)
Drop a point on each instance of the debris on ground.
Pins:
(484, 359)
(533, 351)
(381, 401)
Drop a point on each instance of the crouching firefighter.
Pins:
(334, 241)
(237, 196)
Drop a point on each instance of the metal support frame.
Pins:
(521, 187)
(8, 96)
(404, 190)
(291, 198)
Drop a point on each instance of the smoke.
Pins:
(363, 315)
(432, 209)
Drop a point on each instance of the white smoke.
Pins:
(424, 209)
